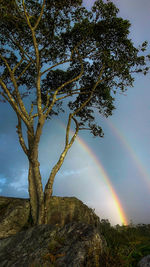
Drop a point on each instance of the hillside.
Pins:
(74, 236)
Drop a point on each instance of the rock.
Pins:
(71, 237)
(15, 213)
(145, 262)
(73, 245)
(63, 210)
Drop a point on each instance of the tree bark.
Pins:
(33, 194)
(49, 186)
(35, 182)
(39, 190)
(36, 193)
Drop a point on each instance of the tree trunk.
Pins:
(33, 194)
(40, 200)
(49, 186)
(35, 182)
(40, 194)
(36, 193)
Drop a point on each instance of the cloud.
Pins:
(2, 181)
(72, 172)
(21, 183)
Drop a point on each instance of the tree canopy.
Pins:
(94, 44)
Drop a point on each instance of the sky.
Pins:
(110, 174)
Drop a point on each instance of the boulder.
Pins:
(73, 245)
(15, 214)
(63, 210)
(145, 262)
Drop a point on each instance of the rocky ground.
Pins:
(70, 239)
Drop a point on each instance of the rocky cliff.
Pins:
(75, 244)
(71, 237)
(15, 213)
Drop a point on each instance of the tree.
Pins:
(56, 54)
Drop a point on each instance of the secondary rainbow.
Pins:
(123, 140)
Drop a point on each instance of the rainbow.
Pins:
(106, 179)
(104, 176)
(132, 154)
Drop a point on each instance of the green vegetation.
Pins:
(126, 245)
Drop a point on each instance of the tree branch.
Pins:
(62, 62)
(84, 129)
(39, 18)
(91, 94)
(71, 94)
(30, 113)
(21, 140)
(28, 65)
(12, 102)
(26, 15)
(12, 77)
(68, 129)
(18, 64)
(38, 67)
(6, 64)
(64, 84)
(31, 110)
(6, 98)
(76, 132)
(55, 65)
(18, 96)
(22, 50)
(75, 90)
(47, 101)
(49, 185)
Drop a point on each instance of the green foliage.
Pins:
(126, 244)
(94, 41)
